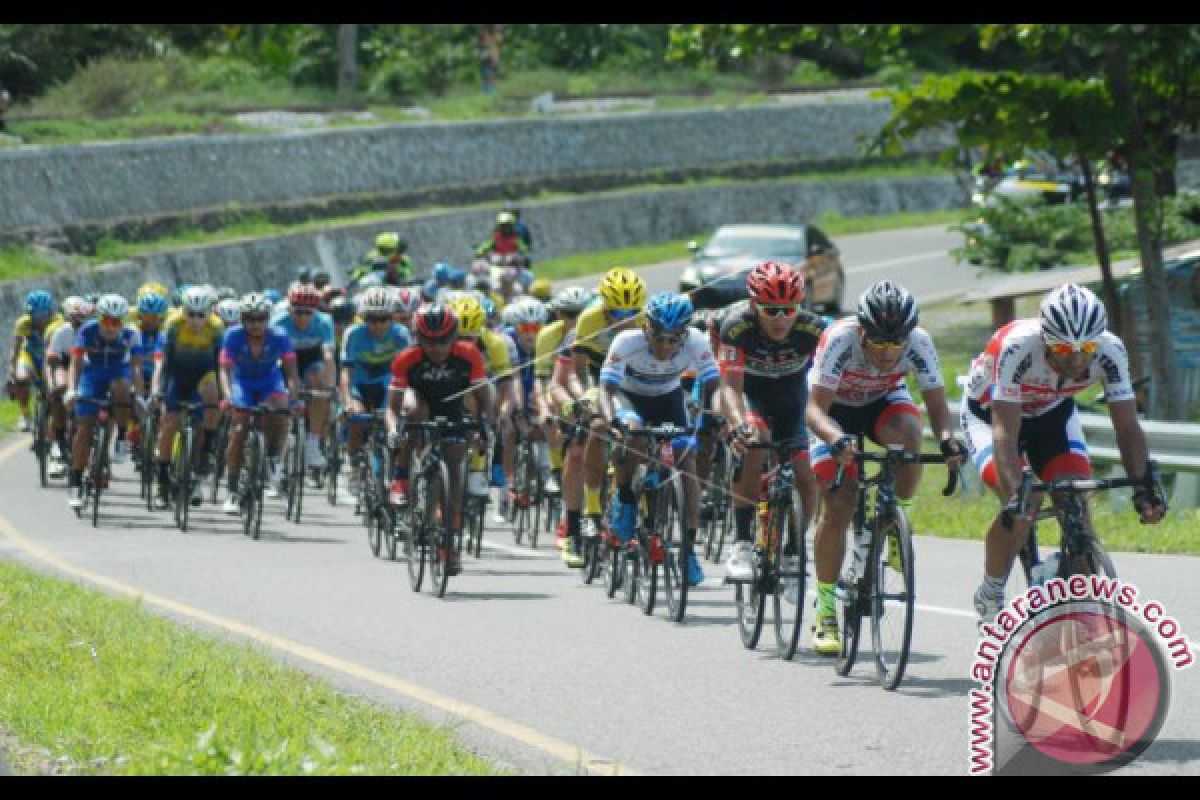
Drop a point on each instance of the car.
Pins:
(717, 275)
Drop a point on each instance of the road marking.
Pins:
(891, 262)
(564, 751)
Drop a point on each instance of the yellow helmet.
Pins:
(153, 287)
(387, 242)
(471, 316)
(541, 289)
(622, 290)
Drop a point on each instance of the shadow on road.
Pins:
(473, 597)
(1179, 751)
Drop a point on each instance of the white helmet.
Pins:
(255, 303)
(76, 306)
(405, 298)
(573, 298)
(526, 311)
(112, 305)
(230, 312)
(371, 279)
(197, 299)
(1073, 315)
(375, 301)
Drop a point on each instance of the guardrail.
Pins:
(1174, 445)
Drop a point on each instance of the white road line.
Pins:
(891, 262)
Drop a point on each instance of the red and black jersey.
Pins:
(436, 383)
(766, 363)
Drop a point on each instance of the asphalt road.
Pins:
(542, 673)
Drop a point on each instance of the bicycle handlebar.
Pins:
(895, 455)
(1076, 486)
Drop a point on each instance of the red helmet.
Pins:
(774, 284)
(435, 322)
(303, 295)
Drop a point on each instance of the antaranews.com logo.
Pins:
(1073, 679)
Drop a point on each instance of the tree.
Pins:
(347, 59)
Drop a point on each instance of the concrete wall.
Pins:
(560, 227)
(45, 187)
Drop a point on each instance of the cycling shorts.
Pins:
(867, 420)
(661, 409)
(782, 416)
(182, 385)
(94, 384)
(1052, 443)
(250, 394)
(27, 369)
(309, 361)
(371, 395)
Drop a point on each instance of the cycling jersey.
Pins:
(186, 349)
(310, 342)
(594, 335)
(1013, 368)
(1052, 442)
(441, 386)
(152, 344)
(550, 345)
(98, 354)
(61, 342)
(769, 366)
(370, 358)
(248, 367)
(494, 352)
(520, 360)
(633, 368)
(841, 365)
(34, 340)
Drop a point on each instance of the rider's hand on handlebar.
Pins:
(742, 436)
(844, 450)
(954, 452)
(1151, 506)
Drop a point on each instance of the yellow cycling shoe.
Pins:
(825, 639)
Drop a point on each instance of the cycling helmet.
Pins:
(1073, 315)
(377, 300)
(458, 277)
(273, 295)
(196, 299)
(256, 303)
(471, 316)
(230, 312)
(441, 273)
(387, 242)
(321, 278)
(669, 310)
(303, 295)
(405, 298)
(506, 218)
(303, 275)
(343, 310)
(210, 292)
(39, 301)
(886, 311)
(150, 303)
(526, 311)
(226, 293)
(774, 284)
(573, 299)
(112, 306)
(541, 289)
(153, 287)
(622, 290)
(76, 306)
(369, 280)
(435, 322)
(489, 308)
(429, 291)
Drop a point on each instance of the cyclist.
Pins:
(1020, 403)
(29, 346)
(622, 294)
(368, 350)
(106, 358)
(397, 265)
(857, 387)
(523, 321)
(498, 366)
(541, 289)
(766, 345)
(554, 341)
(640, 386)
(60, 341)
(254, 361)
(151, 308)
(439, 377)
(185, 371)
(344, 313)
(312, 336)
(229, 312)
(405, 300)
(504, 239)
(521, 228)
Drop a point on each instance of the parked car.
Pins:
(717, 275)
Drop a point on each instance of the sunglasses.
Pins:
(197, 315)
(780, 311)
(253, 318)
(425, 341)
(375, 319)
(1064, 349)
(303, 312)
(528, 327)
(622, 313)
(112, 322)
(883, 344)
(668, 338)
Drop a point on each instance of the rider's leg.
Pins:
(900, 423)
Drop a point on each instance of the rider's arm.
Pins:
(18, 345)
(607, 392)
(1006, 426)
(1131, 439)
(820, 400)
(940, 420)
(291, 374)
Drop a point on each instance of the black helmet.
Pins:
(342, 310)
(321, 278)
(887, 312)
(303, 274)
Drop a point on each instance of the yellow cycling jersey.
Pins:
(594, 333)
(549, 342)
(176, 314)
(495, 355)
(34, 341)
(192, 349)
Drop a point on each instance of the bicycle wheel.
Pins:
(476, 519)
(853, 599)
(41, 446)
(219, 457)
(149, 448)
(593, 558)
(647, 577)
(893, 602)
(251, 499)
(294, 465)
(390, 530)
(101, 472)
(788, 598)
(750, 604)
(181, 468)
(416, 543)
(333, 463)
(669, 520)
(439, 545)
(375, 531)
(615, 569)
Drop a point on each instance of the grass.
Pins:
(961, 331)
(20, 261)
(97, 685)
(10, 415)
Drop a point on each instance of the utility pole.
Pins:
(347, 44)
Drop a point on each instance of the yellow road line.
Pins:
(524, 734)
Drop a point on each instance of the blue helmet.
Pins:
(489, 308)
(429, 290)
(458, 277)
(669, 310)
(273, 295)
(39, 301)
(152, 304)
(441, 273)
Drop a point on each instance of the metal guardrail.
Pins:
(1174, 445)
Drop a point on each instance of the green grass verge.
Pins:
(21, 261)
(10, 415)
(101, 686)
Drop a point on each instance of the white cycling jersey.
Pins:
(62, 341)
(631, 365)
(840, 365)
(1013, 368)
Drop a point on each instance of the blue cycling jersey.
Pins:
(524, 360)
(98, 354)
(319, 331)
(370, 358)
(249, 368)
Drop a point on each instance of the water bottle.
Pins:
(1045, 571)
